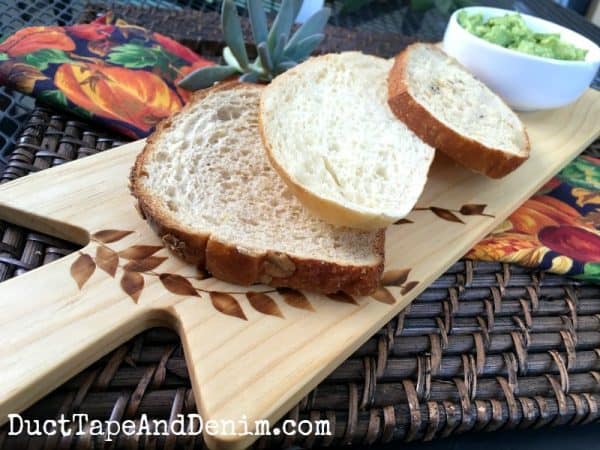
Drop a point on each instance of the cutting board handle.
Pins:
(54, 325)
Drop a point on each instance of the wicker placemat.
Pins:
(487, 346)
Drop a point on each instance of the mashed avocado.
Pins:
(510, 31)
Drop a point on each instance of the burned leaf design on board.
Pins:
(146, 264)
(396, 277)
(408, 287)
(264, 304)
(107, 260)
(451, 215)
(110, 236)
(137, 262)
(139, 251)
(82, 269)
(342, 297)
(133, 284)
(445, 214)
(177, 284)
(384, 296)
(227, 304)
(295, 299)
(474, 210)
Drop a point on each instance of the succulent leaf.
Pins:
(232, 32)
(257, 67)
(279, 47)
(230, 59)
(250, 77)
(283, 21)
(297, 6)
(265, 57)
(285, 65)
(258, 20)
(206, 77)
(304, 48)
(315, 24)
(277, 52)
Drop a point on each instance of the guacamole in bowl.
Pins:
(511, 31)
(530, 62)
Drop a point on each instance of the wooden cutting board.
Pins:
(251, 351)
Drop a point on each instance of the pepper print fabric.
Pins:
(557, 229)
(118, 74)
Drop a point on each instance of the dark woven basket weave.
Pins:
(487, 346)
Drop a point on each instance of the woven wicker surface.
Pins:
(487, 346)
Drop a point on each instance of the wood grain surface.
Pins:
(255, 351)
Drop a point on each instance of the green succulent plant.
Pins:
(277, 51)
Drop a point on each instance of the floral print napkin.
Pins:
(557, 229)
(120, 75)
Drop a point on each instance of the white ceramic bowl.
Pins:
(526, 82)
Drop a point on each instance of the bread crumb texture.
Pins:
(329, 127)
(209, 172)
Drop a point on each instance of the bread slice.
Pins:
(332, 137)
(205, 185)
(456, 113)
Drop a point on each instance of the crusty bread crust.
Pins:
(493, 162)
(233, 264)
